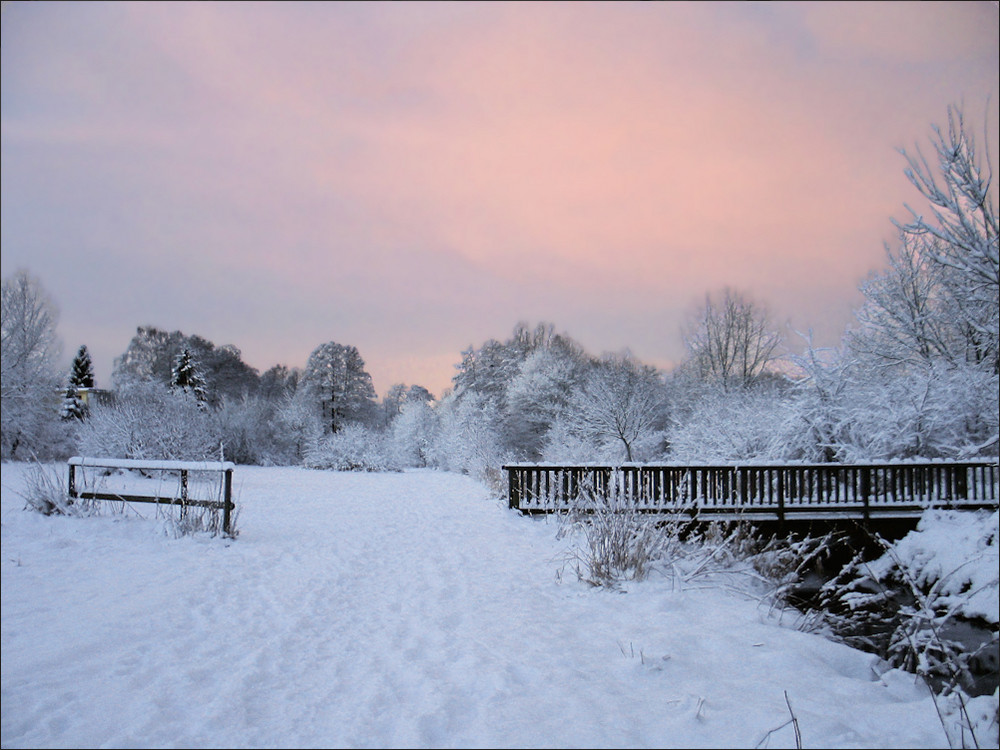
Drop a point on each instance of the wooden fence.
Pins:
(180, 495)
(759, 491)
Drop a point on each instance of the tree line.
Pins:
(915, 376)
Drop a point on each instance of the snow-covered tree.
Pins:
(186, 377)
(29, 383)
(152, 355)
(300, 422)
(960, 237)
(81, 376)
(398, 396)
(920, 378)
(538, 395)
(939, 299)
(621, 401)
(467, 439)
(490, 369)
(412, 434)
(279, 382)
(73, 407)
(338, 383)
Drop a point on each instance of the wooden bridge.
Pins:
(781, 493)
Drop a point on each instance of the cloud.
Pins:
(403, 177)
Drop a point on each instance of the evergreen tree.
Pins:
(73, 407)
(186, 377)
(83, 369)
(81, 376)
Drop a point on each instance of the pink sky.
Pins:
(412, 179)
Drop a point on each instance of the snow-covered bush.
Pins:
(908, 606)
(565, 445)
(194, 520)
(148, 420)
(252, 431)
(46, 492)
(618, 542)
(352, 448)
(932, 411)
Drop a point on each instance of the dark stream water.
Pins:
(976, 637)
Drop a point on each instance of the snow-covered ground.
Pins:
(399, 610)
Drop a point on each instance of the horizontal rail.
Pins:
(773, 490)
(151, 465)
(184, 468)
(168, 500)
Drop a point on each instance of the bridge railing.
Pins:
(859, 489)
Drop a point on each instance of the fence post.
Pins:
(71, 489)
(227, 501)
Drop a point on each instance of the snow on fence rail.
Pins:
(760, 491)
(180, 497)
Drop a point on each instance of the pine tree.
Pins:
(83, 369)
(73, 407)
(81, 376)
(185, 377)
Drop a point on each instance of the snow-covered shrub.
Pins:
(352, 448)
(252, 431)
(46, 492)
(908, 605)
(148, 420)
(618, 542)
(200, 520)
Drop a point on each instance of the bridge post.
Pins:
(513, 491)
(781, 498)
(866, 485)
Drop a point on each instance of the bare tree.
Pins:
(731, 343)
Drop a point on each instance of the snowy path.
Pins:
(396, 610)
